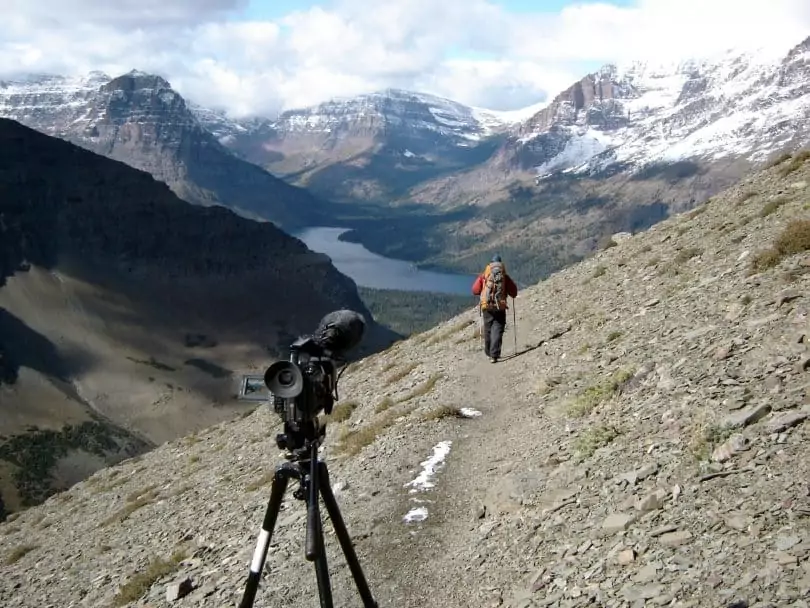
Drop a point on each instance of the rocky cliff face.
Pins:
(139, 119)
(646, 444)
(738, 105)
(121, 303)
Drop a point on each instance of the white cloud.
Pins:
(348, 47)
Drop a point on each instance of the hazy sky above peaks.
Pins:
(264, 56)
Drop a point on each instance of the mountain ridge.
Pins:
(139, 119)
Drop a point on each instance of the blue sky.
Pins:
(274, 9)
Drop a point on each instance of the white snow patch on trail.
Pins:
(415, 515)
(468, 412)
(430, 467)
(424, 482)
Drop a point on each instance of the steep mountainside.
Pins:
(648, 445)
(618, 151)
(139, 119)
(367, 148)
(741, 104)
(123, 304)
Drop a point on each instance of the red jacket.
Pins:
(511, 288)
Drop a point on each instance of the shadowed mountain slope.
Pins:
(121, 303)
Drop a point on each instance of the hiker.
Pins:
(494, 285)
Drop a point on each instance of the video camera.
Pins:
(306, 384)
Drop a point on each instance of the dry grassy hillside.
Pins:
(646, 446)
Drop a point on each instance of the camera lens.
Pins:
(286, 378)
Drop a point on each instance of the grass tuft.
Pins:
(397, 376)
(442, 412)
(18, 553)
(342, 411)
(139, 584)
(795, 238)
(595, 394)
(796, 163)
(593, 438)
(773, 205)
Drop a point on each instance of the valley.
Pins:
(430, 181)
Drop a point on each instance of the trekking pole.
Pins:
(514, 323)
(481, 326)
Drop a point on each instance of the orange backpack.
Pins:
(493, 294)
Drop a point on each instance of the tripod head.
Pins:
(306, 384)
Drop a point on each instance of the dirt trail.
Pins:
(438, 562)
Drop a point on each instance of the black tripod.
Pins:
(313, 479)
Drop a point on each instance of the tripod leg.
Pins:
(280, 481)
(343, 537)
(315, 550)
(314, 539)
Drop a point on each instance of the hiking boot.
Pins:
(493, 359)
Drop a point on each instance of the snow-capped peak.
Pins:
(737, 103)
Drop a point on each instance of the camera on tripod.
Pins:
(306, 385)
(301, 388)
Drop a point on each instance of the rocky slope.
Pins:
(367, 148)
(139, 119)
(122, 304)
(647, 444)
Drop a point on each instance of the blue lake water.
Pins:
(369, 269)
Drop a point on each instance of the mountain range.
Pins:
(139, 119)
(127, 315)
(436, 182)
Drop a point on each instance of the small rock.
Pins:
(676, 539)
(787, 542)
(660, 531)
(785, 559)
(652, 501)
(650, 303)
(722, 353)
(628, 556)
(179, 590)
(736, 522)
(746, 416)
(786, 421)
(647, 573)
(617, 522)
(803, 364)
(642, 592)
(733, 445)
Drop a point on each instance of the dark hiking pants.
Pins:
(494, 324)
